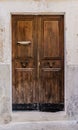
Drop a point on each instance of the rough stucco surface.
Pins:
(1, 42)
(72, 91)
(70, 10)
(4, 92)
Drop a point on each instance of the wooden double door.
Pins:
(38, 62)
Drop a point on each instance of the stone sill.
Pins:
(38, 116)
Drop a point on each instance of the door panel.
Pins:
(50, 85)
(38, 62)
(50, 38)
(25, 31)
(51, 61)
(24, 61)
(26, 79)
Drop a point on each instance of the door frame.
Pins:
(37, 13)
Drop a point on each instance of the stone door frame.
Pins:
(38, 13)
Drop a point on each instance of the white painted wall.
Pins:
(69, 7)
(70, 10)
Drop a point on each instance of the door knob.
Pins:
(51, 64)
(24, 64)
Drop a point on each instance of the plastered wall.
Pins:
(68, 8)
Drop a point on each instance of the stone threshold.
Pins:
(36, 116)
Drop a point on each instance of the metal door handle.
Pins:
(24, 42)
(50, 64)
(24, 64)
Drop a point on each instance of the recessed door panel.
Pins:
(25, 31)
(51, 38)
(50, 85)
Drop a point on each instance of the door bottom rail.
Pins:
(45, 107)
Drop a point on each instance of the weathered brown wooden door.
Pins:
(38, 62)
